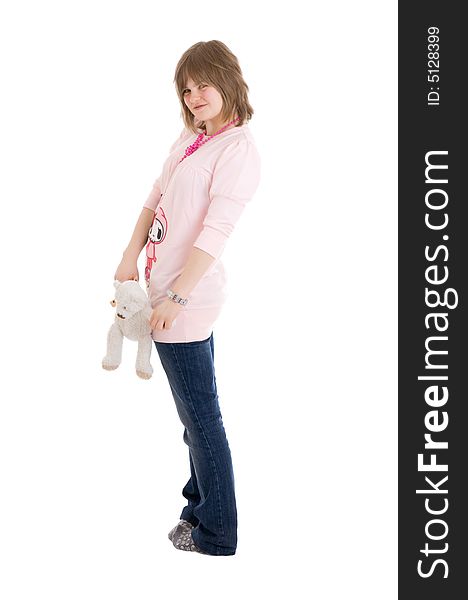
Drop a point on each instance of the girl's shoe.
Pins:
(182, 525)
(182, 540)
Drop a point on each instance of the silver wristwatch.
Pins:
(176, 298)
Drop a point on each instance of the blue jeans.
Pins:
(210, 491)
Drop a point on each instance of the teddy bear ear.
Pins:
(117, 283)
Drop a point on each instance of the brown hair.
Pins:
(213, 63)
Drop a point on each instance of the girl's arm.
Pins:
(198, 263)
(235, 181)
(127, 268)
(165, 313)
(140, 235)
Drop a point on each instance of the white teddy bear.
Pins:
(133, 311)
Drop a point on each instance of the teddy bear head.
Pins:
(129, 299)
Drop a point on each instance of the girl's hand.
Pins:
(164, 314)
(127, 269)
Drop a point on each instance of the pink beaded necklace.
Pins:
(202, 139)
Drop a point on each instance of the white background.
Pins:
(92, 463)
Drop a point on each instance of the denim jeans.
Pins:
(210, 491)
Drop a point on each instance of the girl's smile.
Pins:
(206, 102)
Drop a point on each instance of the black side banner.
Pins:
(432, 302)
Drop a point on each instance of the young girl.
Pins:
(212, 170)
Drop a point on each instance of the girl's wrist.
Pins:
(176, 298)
(130, 254)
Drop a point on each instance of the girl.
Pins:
(212, 171)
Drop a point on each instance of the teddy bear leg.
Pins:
(113, 357)
(143, 365)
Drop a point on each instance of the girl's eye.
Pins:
(202, 85)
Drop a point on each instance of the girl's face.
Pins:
(205, 96)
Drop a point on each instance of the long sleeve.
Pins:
(153, 199)
(155, 195)
(235, 180)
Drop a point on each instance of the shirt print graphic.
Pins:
(156, 235)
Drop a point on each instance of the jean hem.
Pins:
(218, 551)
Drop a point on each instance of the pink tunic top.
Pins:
(197, 203)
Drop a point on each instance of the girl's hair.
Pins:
(212, 62)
